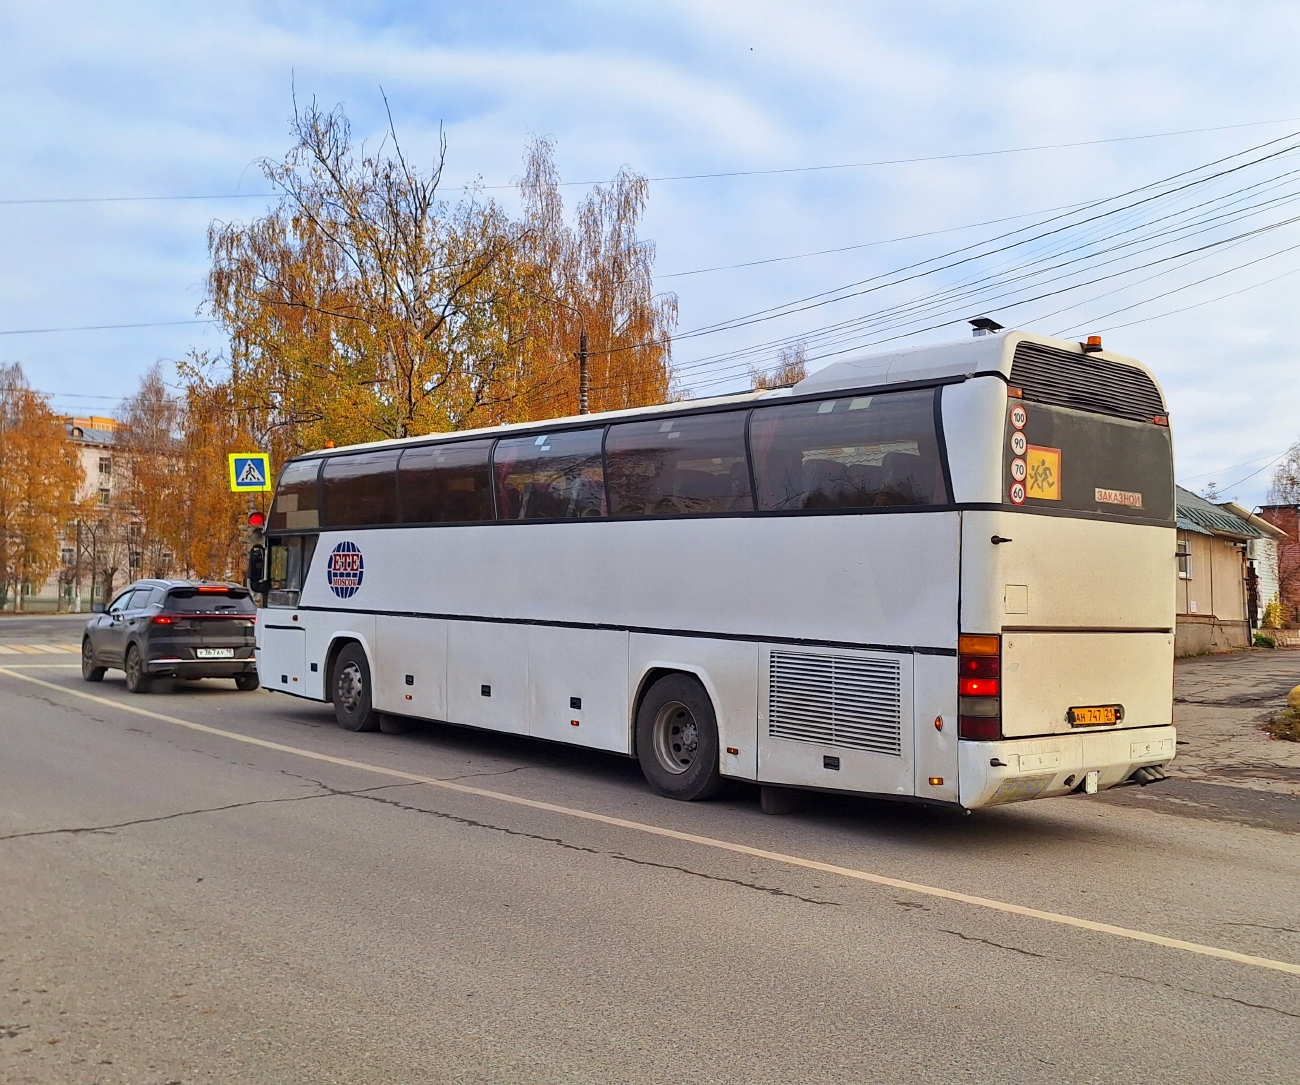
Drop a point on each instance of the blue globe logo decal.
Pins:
(345, 570)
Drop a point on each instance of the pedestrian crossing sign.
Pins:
(250, 472)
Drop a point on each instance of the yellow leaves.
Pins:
(40, 474)
(365, 306)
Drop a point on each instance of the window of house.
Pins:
(551, 476)
(67, 555)
(853, 452)
(679, 466)
(450, 483)
(103, 497)
(1184, 553)
(105, 466)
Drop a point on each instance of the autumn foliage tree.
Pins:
(367, 306)
(40, 475)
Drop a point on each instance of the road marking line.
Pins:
(6, 650)
(28, 649)
(692, 838)
(47, 666)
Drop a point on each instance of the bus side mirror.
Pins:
(257, 569)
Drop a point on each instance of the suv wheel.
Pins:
(137, 679)
(90, 671)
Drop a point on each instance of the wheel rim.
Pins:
(676, 738)
(87, 660)
(350, 687)
(133, 665)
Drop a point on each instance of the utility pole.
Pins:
(582, 372)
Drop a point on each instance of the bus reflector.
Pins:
(936, 781)
(979, 687)
(980, 728)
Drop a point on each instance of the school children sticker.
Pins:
(345, 570)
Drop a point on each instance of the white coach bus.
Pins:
(944, 574)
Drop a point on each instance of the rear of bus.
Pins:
(1065, 657)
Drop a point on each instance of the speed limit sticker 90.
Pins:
(1018, 443)
(1017, 493)
(1018, 416)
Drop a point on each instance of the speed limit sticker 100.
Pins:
(1018, 446)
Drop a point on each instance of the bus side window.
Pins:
(855, 452)
(679, 467)
(287, 563)
(295, 507)
(360, 489)
(552, 476)
(446, 483)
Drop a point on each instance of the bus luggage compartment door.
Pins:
(281, 653)
(836, 719)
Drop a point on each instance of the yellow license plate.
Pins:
(1096, 715)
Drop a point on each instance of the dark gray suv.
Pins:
(165, 629)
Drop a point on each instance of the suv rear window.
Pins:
(193, 601)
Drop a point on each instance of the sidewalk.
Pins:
(1220, 701)
(1226, 768)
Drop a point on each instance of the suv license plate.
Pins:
(1096, 715)
(214, 653)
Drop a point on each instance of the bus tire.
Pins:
(677, 739)
(351, 688)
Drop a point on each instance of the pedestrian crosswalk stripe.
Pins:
(38, 649)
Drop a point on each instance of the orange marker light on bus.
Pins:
(969, 644)
(936, 781)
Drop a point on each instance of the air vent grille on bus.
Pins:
(844, 701)
(1084, 382)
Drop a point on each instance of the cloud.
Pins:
(156, 98)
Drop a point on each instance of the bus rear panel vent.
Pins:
(1084, 382)
(843, 701)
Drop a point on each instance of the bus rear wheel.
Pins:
(350, 690)
(677, 739)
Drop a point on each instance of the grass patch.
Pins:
(1285, 725)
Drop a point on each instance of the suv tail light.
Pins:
(979, 687)
(162, 619)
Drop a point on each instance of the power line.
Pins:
(137, 199)
(101, 327)
(709, 176)
(935, 157)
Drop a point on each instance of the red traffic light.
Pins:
(256, 519)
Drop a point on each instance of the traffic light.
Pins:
(251, 531)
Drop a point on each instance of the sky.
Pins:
(178, 99)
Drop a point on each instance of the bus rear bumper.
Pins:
(1012, 770)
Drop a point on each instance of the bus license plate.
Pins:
(215, 653)
(1096, 715)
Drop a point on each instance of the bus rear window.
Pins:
(207, 601)
(1083, 462)
(855, 452)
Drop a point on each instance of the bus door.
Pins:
(281, 640)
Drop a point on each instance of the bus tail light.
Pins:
(979, 688)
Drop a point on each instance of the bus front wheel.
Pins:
(677, 739)
(350, 690)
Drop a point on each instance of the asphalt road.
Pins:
(182, 906)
